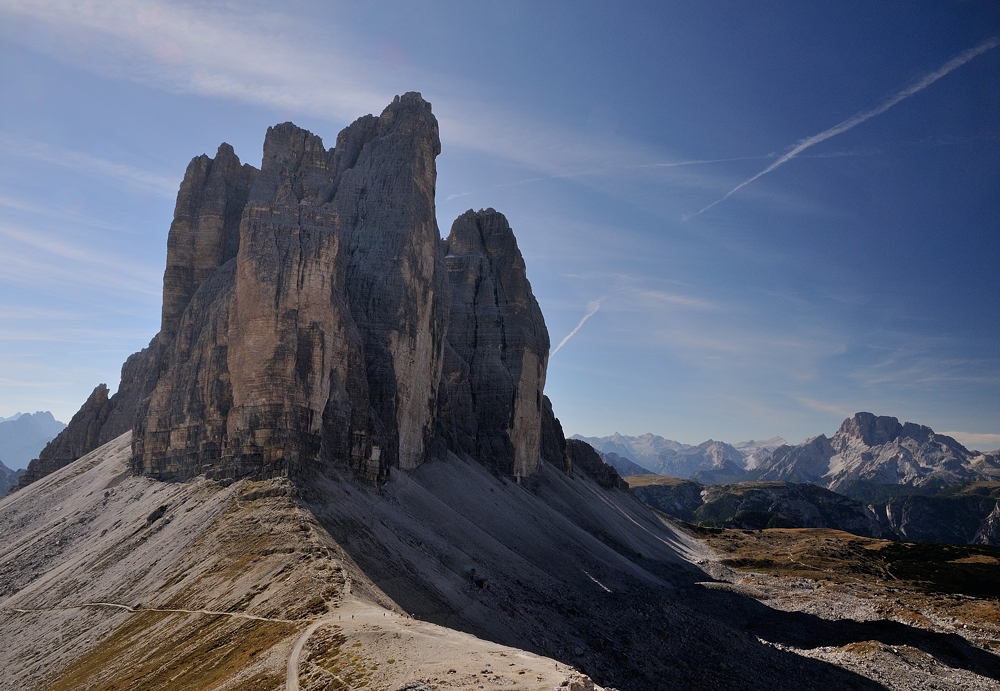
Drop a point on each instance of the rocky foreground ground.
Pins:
(907, 616)
(114, 581)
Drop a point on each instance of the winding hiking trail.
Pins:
(407, 650)
(138, 610)
(292, 672)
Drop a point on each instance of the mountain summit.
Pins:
(312, 315)
(873, 449)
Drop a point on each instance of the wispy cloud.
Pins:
(33, 258)
(660, 296)
(233, 53)
(823, 406)
(72, 217)
(592, 308)
(610, 171)
(861, 117)
(974, 440)
(162, 185)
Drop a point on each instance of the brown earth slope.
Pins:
(109, 580)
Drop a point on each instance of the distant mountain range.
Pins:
(710, 462)
(24, 435)
(866, 458)
(870, 451)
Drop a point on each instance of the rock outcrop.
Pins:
(8, 478)
(80, 437)
(624, 466)
(758, 505)
(498, 346)
(962, 514)
(584, 457)
(673, 496)
(313, 317)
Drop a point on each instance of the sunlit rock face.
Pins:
(312, 316)
(323, 339)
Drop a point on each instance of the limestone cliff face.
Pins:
(495, 365)
(396, 283)
(321, 340)
(306, 316)
(205, 232)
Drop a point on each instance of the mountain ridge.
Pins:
(879, 450)
(712, 461)
(866, 453)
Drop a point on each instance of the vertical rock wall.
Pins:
(306, 316)
(205, 232)
(396, 279)
(293, 345)
(499, 346)
(320, 338)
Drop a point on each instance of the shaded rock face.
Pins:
(553, 444)
(622, 465)
(965, 514)
(80, 437)
(498, 346)
(306, 318)
(757, 505)
(584, 457)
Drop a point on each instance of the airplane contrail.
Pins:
(592, 308)
(858, 118)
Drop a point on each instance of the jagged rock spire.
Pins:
(306, 317)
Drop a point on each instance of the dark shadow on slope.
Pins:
(561, 568)
(807, 631)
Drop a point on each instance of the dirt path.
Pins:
(406, 650)
(134, 610)
(292, 671)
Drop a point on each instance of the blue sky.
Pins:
(861, 274)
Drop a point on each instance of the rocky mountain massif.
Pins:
(870, 451)
(870, 457)
(313, 317)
